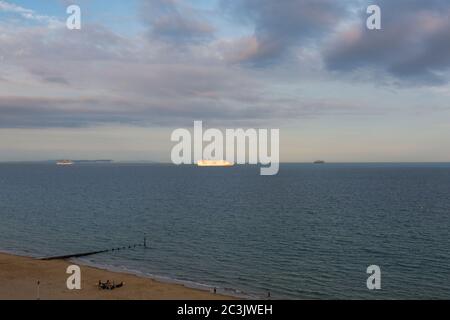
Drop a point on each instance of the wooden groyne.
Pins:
(90, 253)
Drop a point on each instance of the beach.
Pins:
(19, 277)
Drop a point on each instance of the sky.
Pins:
(139, 69)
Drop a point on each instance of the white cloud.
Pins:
(29, 14)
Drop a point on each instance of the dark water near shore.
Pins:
(309, 232)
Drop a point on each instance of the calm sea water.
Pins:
(309, 232)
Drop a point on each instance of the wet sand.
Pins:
(19, 277)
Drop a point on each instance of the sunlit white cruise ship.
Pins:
(64, 163)
(214, 163)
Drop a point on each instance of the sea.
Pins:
(309, 232)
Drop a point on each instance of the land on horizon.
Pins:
(282, 162)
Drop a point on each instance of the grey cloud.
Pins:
(173, 21)
(150, 91)
(51, 75)
(280, 25)
(56, 79)
(106, 78)
(94, 43)
(413, 45)
(17, 111)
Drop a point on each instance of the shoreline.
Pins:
(19, 276)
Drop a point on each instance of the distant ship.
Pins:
(319, 162)
(64, 163)
(214, 163)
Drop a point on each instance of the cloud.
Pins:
(173, 21)
(413, 45)
(105, 78)
(58, 78)
(413, 48)
(280, 26)
(28, 14)
(24, 44)
(43, 112)
(18, 111)
(11, 7)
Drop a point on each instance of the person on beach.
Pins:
(108, 285)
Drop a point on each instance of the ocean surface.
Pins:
(308, 233)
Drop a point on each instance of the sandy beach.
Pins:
(19, 276)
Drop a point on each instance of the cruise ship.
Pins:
(214, 163)
(64, 163)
